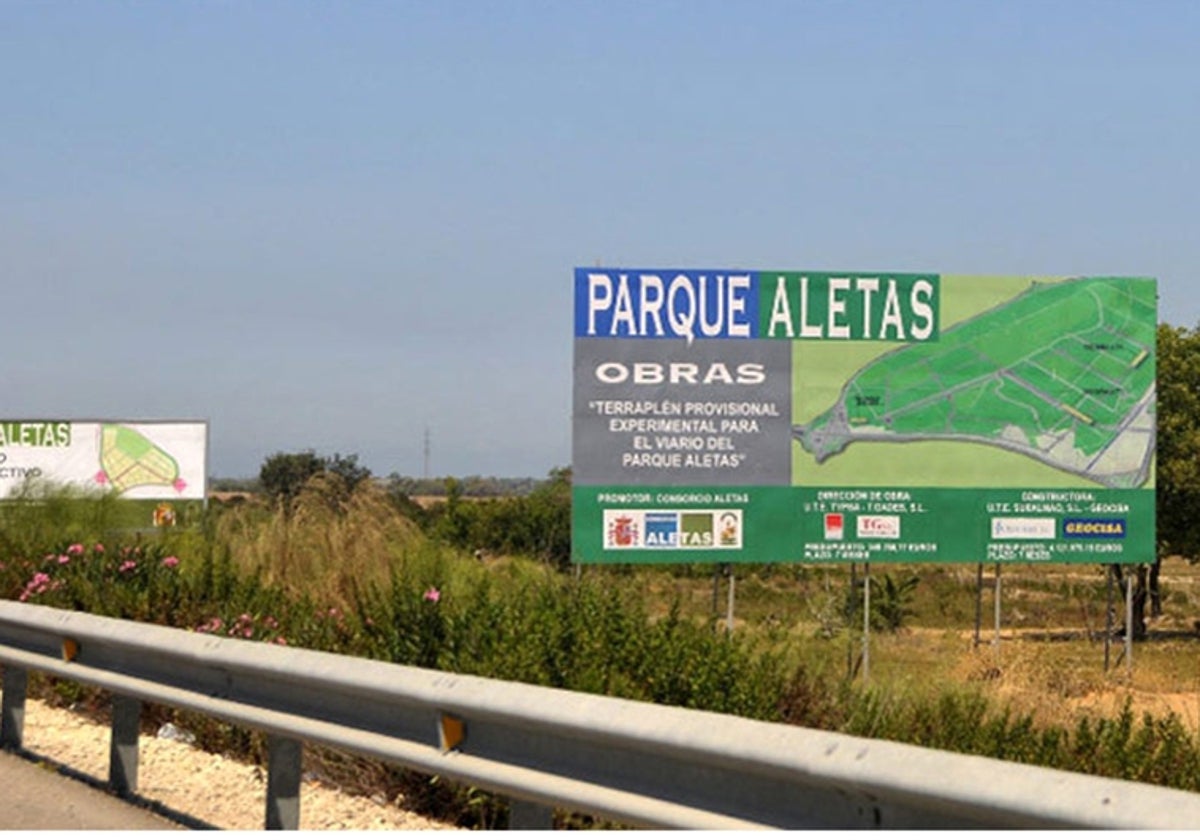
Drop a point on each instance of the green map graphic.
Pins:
(129, 459)
(1062, 373)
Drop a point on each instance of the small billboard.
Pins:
(134, 459)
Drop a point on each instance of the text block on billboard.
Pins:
(135, 460)
(762, 416)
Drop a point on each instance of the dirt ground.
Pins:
(216, 790)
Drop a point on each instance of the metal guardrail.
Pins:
(636, 763)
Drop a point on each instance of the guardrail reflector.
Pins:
(453, 731)
(70, 650)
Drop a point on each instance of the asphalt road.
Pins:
(35, 798)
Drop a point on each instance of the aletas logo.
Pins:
(697, 528)
(835, 526)
(662, 530)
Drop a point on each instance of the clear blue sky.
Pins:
(330, 225)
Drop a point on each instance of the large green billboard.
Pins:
(764, 416)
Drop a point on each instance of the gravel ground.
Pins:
(220, 791)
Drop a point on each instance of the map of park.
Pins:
(1063, 373)
(129, 459)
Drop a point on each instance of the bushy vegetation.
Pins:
(356, 577)
(349, 571)
(537, 524)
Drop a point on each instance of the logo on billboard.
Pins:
(1023, 528)
(662, 530)
(729, 529)
(835, 526)
(621, 529)
(673, 529)
(1094, 529)
(878, 527)
(697, 529)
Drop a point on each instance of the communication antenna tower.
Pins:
(426, 475)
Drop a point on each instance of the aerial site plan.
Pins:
(1062, 373)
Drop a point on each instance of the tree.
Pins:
(347, 468)
(1178, 446)
(1177, 465)
(283, 475)
(551, 507)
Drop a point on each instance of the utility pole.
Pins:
(426, 472)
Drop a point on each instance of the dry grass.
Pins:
(1055, 675)
(1050, 659)
(293, 549)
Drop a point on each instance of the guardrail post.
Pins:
(123, 749)
(529, 816)
(283, 783)
(12, 708)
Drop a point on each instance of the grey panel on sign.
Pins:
(665, 412)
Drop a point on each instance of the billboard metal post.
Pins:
(207, 467)
(978, 603)
(1108, 615)
(851, 600)
(1129, 627)
(996, 601)
(729, 610)
(866, 644)
(716, 605)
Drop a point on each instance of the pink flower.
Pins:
(279, 640)
(63, 559)
(170, 562)
(99, 548)
(128, 566)
(37, 584)
(432, 594)
(75, 548)
(211, 626)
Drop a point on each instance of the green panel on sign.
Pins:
(868, 524)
